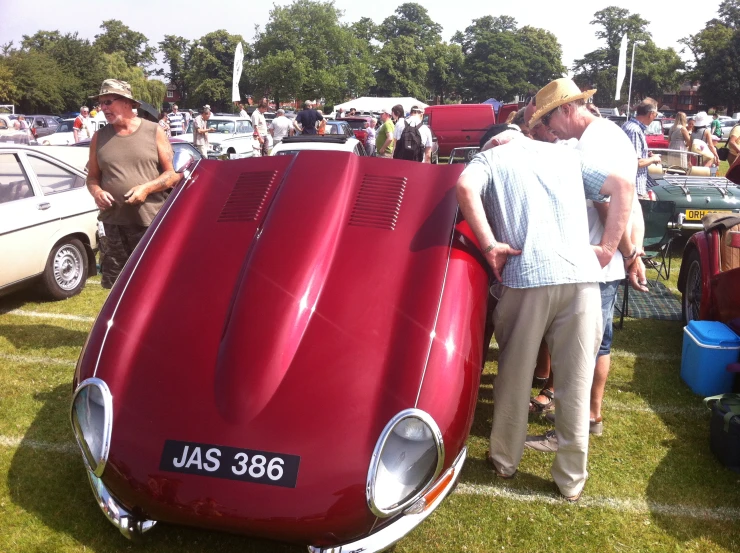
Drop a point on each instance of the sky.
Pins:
(155, 18)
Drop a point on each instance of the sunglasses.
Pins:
(546, 118)
(108, 102)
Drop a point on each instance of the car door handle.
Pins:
(44, 205)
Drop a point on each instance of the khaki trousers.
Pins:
(568, 316)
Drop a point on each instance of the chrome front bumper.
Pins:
(410, 519)
(129, 525)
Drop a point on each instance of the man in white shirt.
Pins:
(260, 129)
(82, 126)
(177, 121)
(414, 120)
(242, 111)
(604, 143)
(280, 127)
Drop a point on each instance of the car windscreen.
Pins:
(654, 128)
(356, 125)
(222, 126)
(66, 126)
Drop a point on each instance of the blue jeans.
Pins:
(608, 299)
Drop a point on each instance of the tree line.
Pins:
(306, 52)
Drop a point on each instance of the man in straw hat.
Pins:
(600, 141)
(537, 245)
(646, 112)
(130, 168)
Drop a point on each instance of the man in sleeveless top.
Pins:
(129, 170)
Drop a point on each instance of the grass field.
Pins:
(654, 485)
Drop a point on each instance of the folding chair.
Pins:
(658, 237)
(656, 243)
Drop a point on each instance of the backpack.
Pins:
(410, 145)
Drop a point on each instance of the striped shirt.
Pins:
(176, 122)
(636, 133)
(534, 197)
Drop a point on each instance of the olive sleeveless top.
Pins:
(125, 162)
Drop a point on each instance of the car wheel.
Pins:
(691, 298)
(469, 155)
(66, 269)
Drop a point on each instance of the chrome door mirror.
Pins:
(183, 161)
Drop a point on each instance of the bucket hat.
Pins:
(119, 88)
(701, 119)
(555, 94)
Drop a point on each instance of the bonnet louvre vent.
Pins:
(247, 198)
(378, 202)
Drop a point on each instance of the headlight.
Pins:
(407, 458)
(216, 148)
(92, 421)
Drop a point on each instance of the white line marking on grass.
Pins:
(8, 441)
(24, 313)
(91, 281)
(44, 360)
(634, 506)
(646, 356)
(657, 409)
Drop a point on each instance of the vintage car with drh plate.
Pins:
(312, 378)
(693, 190)
(709, 280)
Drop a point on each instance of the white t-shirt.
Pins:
(426, 134)
(281, 128)
(259, 123)
(606, 145)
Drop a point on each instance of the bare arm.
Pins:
(428, 155)
(103, 199)
(686, 137)
(167, 179)
(644, 162)
(472, 208)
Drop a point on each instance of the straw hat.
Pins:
(555, 94)
(119, 88)
(701, 119)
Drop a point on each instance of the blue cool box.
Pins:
(708, 347)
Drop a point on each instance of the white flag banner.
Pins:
(238, 59)
(621, 65)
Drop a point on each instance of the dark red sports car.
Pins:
(292, 352)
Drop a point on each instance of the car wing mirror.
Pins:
(183, 161)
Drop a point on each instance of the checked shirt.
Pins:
(534, 197)
(636, 133)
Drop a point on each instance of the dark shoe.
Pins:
(595, 427)
(539, 382)
(538, 407)
(500, 474)
(548, 442)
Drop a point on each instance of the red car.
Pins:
(710, 272)
(357, 124)
(655, 136)
(293, 352)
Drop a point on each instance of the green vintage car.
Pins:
(694, 192)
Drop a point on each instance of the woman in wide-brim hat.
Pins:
(701, 132)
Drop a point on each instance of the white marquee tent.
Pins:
(369, 103)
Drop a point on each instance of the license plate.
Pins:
(697, 214)
(232, 463)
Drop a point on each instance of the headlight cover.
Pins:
(216, 147)
(92, 422)
(407, 458)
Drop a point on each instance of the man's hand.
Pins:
(603, 254)
(655, 159)
(103, 199)
(497, 258)
(137, 195)
(636, 276)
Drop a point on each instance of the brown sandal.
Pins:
(539, 407)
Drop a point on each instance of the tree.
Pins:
(502, 61)
(335, 63)
(412, 20)
(150, 91)
(444, 77)
(401, 69)
(656, 70)
(280, 75)
(39, 80)
(117, 37)
(8, 90)
(79, 60)
(176, 52)
(210, 72)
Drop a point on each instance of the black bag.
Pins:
(723, 153)
(410, 145)
(724, 429)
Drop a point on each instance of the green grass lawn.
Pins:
(654, 485)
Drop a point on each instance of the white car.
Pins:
(64, 134)
(233, 137)
(48, 220)
(336, 142)
(727, 127)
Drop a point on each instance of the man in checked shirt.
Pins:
(537, 244)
